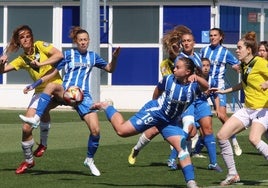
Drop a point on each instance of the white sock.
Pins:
(262, 147)
(228, 156)
(143, 141)
(27, 150)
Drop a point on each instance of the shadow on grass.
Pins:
(47, 172)
(140, 185)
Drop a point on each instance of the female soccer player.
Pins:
(78, 63)
(254, 73)
(219, 56)
(35, 52)
(173, 94)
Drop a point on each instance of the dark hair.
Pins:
(189, 63)
(74, 31)
(205, 59)
(249, 40)
(220, 32)
(264, 43)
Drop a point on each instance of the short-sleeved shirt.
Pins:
(219, 56)
(41, 52)
(253, 75)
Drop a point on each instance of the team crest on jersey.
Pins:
(46, 44)
(138, 122)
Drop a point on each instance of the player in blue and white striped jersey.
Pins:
(219, 57)
(77, 63)
(173, 94)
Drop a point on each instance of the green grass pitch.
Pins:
(62, 164)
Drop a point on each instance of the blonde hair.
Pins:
(172, 38)
(14, 43)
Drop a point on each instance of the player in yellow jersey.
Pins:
(34, 51)
(254, 74)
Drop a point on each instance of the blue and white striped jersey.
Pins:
(219, 56)
(77, 68)
(176, 96)
(195, 58)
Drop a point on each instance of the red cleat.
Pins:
(40, 151)
(24, 166)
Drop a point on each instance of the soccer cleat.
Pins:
(198, 155)
(102, 105)
(215, 167)
(31, 120)
(191, 184)
(40, 150)
(24, 166)
(230, 179)
(237, 149)
(89, 162)
(172, 164)
(132, 156)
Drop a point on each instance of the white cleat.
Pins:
(237, 149)
(89, 162)
(30, 120)
(192, 184)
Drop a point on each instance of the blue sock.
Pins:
(173, 154)
(92, 145)
(43, 102)
(188, 173)
(210, 144)
(110, 111)
(199, 145)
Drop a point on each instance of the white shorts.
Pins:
(247, 116)
(34, 101)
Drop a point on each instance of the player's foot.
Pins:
(89, 162)
(191, 184)
(230, 179)
(132, 156)
(198, 155)
(24, 166)
(31, 120)
(172, 164)
(40, 150)
(102, 105)
(237, 149)
(215, 167)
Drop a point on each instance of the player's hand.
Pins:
(35, 64)
(192, 78)
(216, 90)
(3, 59)
(264, 86)
(116, 52)
(27, 89)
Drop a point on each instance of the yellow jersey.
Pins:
(41, 52)
(253, 75)
(166, 67)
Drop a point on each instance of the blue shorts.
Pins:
(202, 109)
(144, 120)
(84, 107)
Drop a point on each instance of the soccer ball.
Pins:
(73, 95)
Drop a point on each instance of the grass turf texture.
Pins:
(62, 164)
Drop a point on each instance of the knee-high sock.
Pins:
(44, 130)
(143, 141)
(262, 147)
(92, 145)
(228, 156)
(110, 111)
(173, 154)
(27, 150)
(42, 104)
(188, 172)
(210, 143)
(199, 145)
